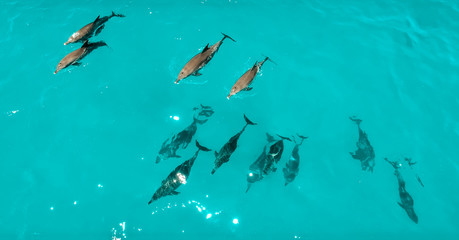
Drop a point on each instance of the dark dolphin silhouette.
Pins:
(227, 150)
(177, 177)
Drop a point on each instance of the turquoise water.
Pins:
(78, 148)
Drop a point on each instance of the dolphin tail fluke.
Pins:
(202, 148)
(205, 107)
(226, 36)
(284, 138)
(117, 15)
(200, 121)
(247, 120)
(302, 138)
(268, 59)
(356, 120)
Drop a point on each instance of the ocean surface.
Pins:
(78, 148)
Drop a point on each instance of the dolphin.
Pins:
(364, 152)
(87, 31)
(177, 177)
(183, 138)
(274, 154)
(200, 60)
(291, 167)
(243, 83)
(255, 173)
(75, 56)
(227, 150)
(407, 202)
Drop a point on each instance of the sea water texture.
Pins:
(78, 148)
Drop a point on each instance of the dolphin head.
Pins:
(253, 176)
(234, 90)
(183, 74)
(59, 67)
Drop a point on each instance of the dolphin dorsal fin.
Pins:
(205, 48)
(97, 18)
(85, 44)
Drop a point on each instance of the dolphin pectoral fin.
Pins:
(401, 205)
(196, 74)
(176, 156)
(248, 88)
(216, 153)
(76, 63)
(99, 30)
(174, 193)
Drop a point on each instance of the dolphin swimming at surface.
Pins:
(183, 138)
(364, 153)
(243, 83)
(407, 202)
(74, 57)
(177, 177)
(227, 150)
(89, 29)
(291, 167)
(200, 60)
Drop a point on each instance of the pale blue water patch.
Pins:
(90, 134)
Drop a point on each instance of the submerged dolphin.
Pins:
(364, 152)
(274, 154)
(200, 60)
(183, 138)
(87, 31)
(75, 56)
(243, 83)
(177, 177)
(255, 173)
(291, 167)
(227, 150)
(407, 202)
